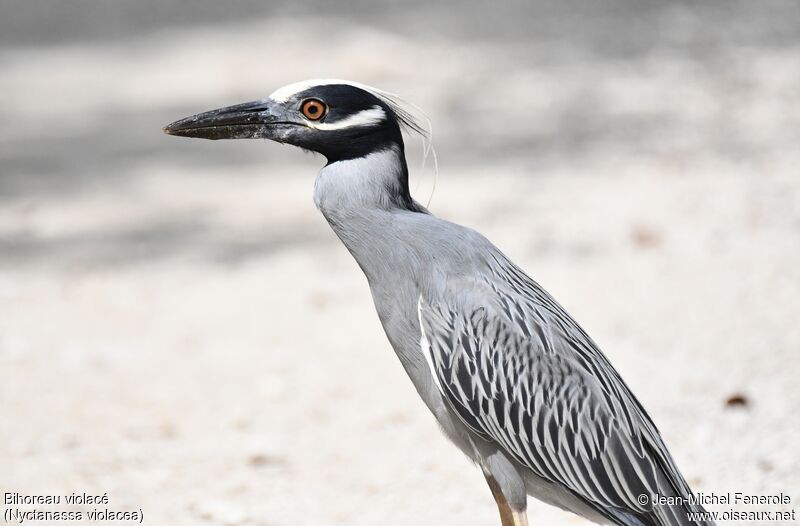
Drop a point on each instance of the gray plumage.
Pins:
(511, 378)
(507, 372)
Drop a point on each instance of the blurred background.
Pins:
(180, 329)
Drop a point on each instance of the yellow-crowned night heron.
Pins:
(511, 378)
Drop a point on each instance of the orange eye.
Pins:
(314, 109)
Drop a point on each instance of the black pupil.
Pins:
(313, 109)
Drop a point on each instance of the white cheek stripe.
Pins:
(368, 117)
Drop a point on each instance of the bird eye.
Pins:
(314, 109)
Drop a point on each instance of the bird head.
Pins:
(339, 119)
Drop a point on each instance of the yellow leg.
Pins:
(508, 515)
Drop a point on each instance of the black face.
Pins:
(339, 121)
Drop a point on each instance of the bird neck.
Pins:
(363, 200)
(376, 181)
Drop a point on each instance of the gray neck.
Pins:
(378, 181)
(361, 200)
(367, 204)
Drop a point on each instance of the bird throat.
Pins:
(362, 200)
(377, 181)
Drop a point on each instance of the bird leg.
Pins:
(508, 515)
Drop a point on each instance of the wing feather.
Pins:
(519, 371)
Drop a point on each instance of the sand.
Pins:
(181, 331)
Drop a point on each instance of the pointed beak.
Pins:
(251, 120)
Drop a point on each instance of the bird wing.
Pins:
(519, 370)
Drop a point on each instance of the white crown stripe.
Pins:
(285, 93)
(368, 117)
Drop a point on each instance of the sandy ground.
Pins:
(180, 329)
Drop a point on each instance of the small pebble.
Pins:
(737, 400)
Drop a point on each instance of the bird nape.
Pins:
(510, 376)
